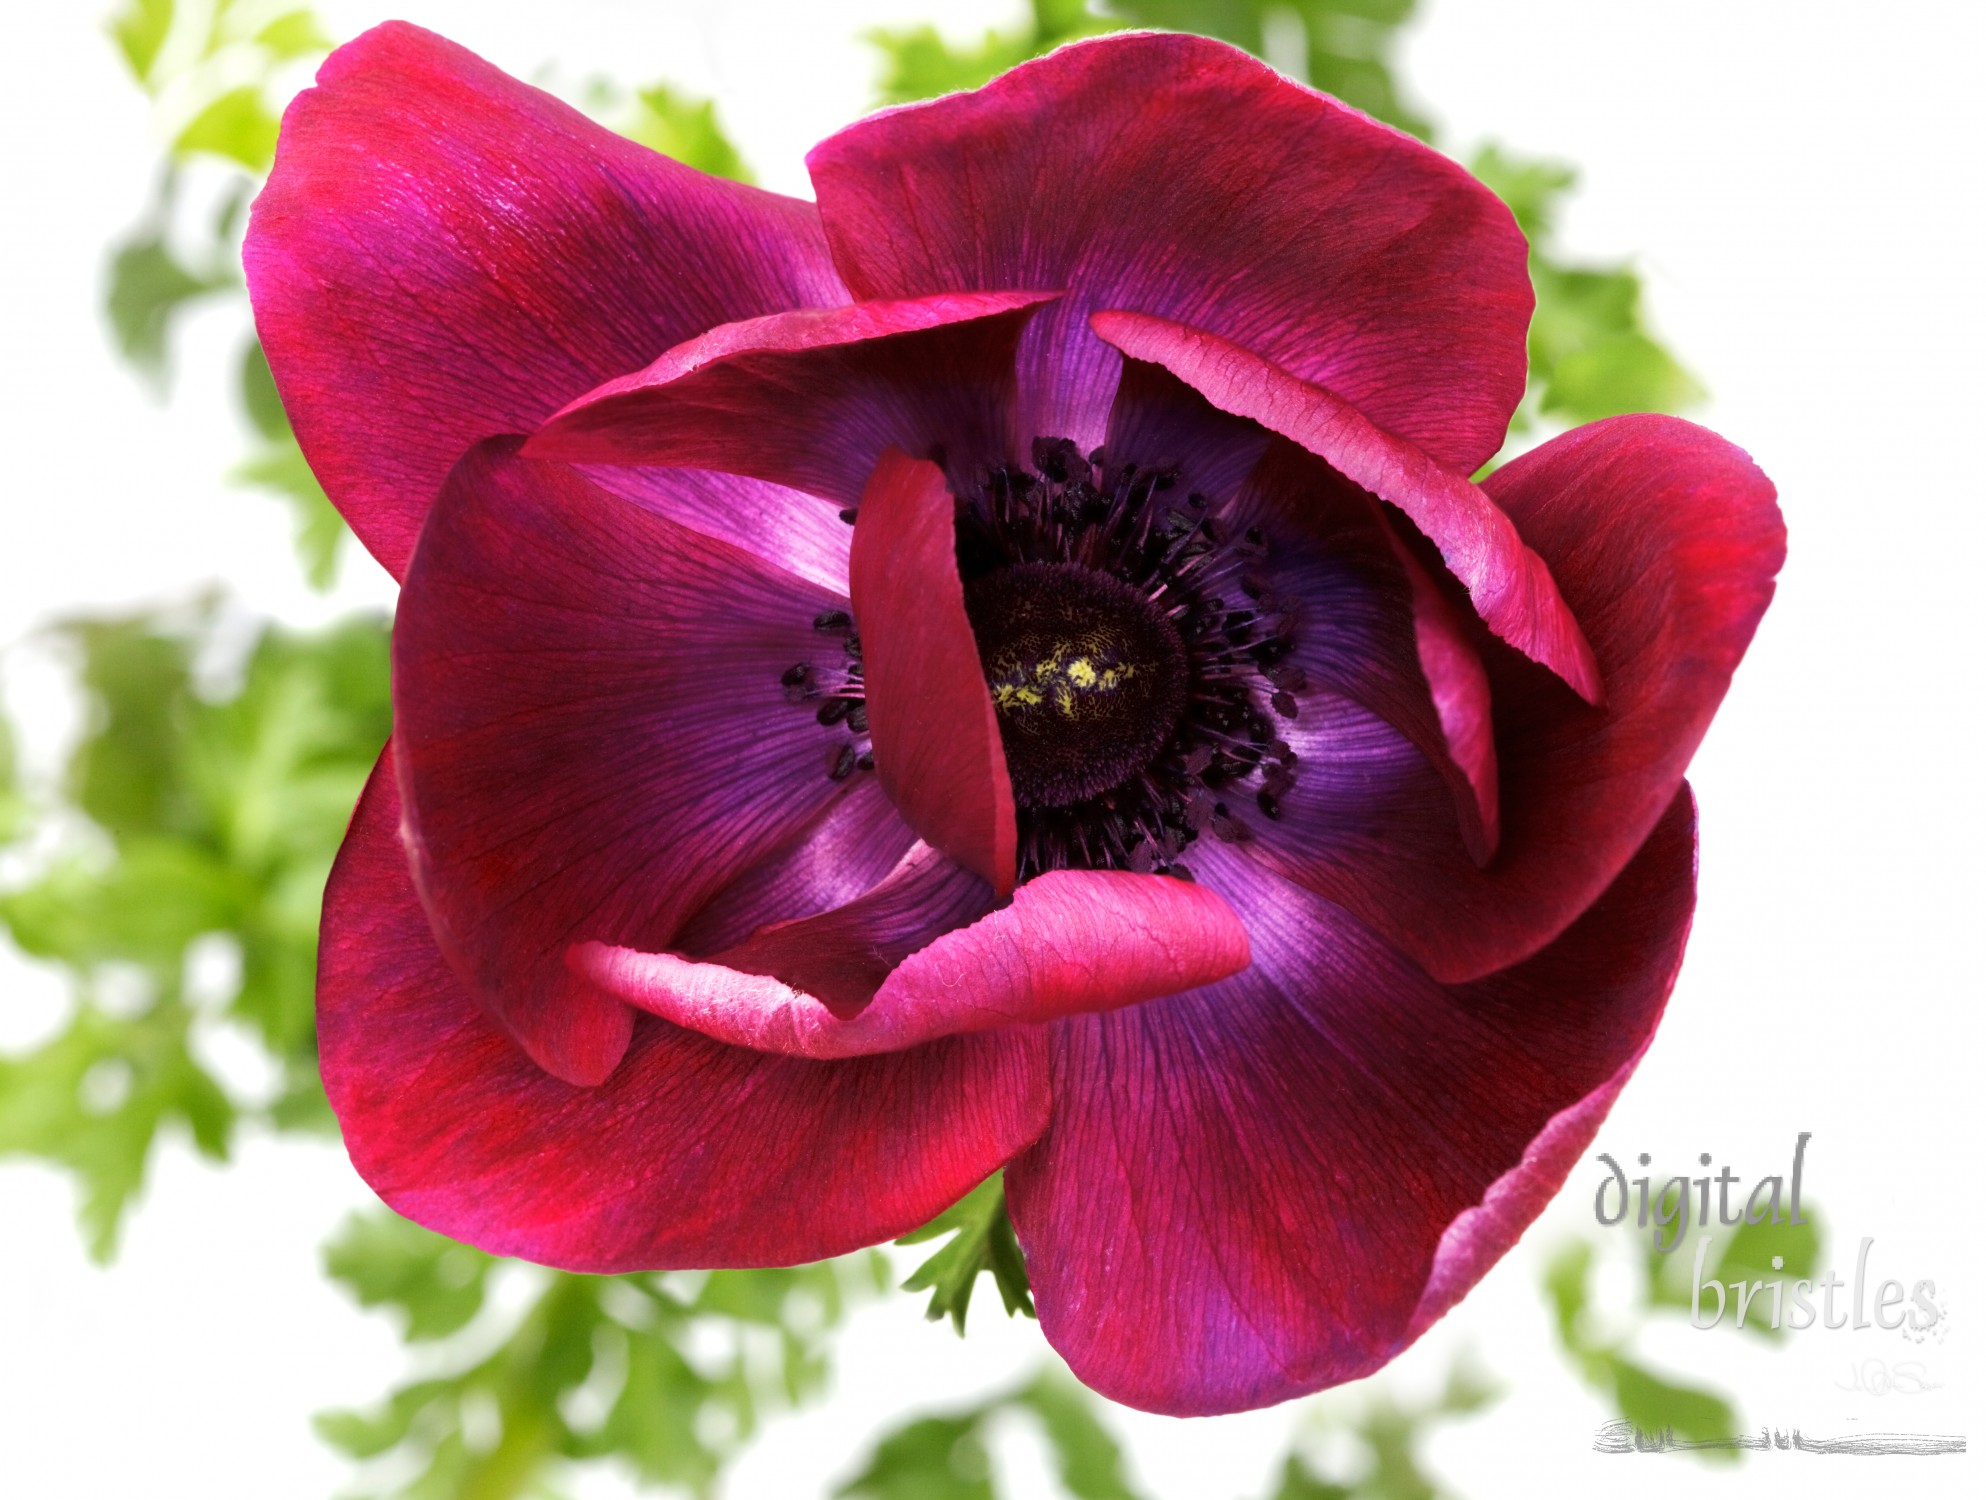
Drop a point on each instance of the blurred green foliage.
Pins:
(213, 810)
(1653, 1402)
(1385, 1436)
(982, 1239)
(1744, 1253)
(212, 69)
(13, 800)
(946, 1458)
(1591, 352)
(149, 285)
(1369, 1447)
(233, 60)
(668, 1375)
(668, 120)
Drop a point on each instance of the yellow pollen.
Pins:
(1062, 677)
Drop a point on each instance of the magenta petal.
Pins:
(1665, 539)
(1177, 176)
(1459, 688)
(811, 399)
(443, 254)
(931, 719)
(1509, 584)
(908, 963)
(591, 733)
(691, 1154)
(1274, 1184)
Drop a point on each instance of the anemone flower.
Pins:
(1003, 668)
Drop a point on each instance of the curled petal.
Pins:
(1274, 1184)
(1158, 420)
(1459, 688)
(443, 254)
(937, 742)
(1370, 626)
(691, 1154)
(1178, 176)
(1665, 539)
(850, 847)
(843, 984)
(1509, 584)
(812, 399)
(592, 737)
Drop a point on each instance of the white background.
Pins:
(1800, 182)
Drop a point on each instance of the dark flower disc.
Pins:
(1088, 677)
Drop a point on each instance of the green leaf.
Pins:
(652, 1424)
(1591, 353)
(1566, 1275)
(620, 1342)
(1088, 1458)
(686, 128)
(94, 1098)
(217, 810)
(295, 34)
(145, 906)
(931, 1458)
(1614, 373)
(1747, 1254)
(1654, 1404)
(1297, 1482)
(237, 125)
(434, 1284)
(320, 531)
(259, 401)
(1743, 1254)
(1530, 186)
(982, 1240)
(125, 773)
(139, 30)
(147, 288)
(13, 800)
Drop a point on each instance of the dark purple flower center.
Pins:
(1088, 677)
(1136, 656)
(1154, 648)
